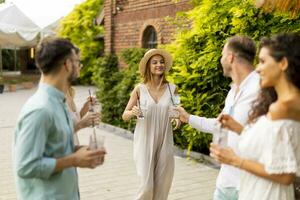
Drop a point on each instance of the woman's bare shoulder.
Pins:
(278, 110)
(136, 89)
(285, 110)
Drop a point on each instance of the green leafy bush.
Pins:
(78, 26)
(197, 50)
(115, 85)
(196, 70)
(130, 79)
(105, 77)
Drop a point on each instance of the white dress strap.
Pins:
(142, 87)
(139, 88)
(143, 92)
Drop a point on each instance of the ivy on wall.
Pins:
(79, 27)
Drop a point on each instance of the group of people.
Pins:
(256, 136)
(261, 155)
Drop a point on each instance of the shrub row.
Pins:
(115, 85)
(196, 70)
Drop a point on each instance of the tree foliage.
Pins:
(79, 27)
(105, 77)
(197, 50)
(115, 85)
(196, 70)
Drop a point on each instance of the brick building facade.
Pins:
(139, 23)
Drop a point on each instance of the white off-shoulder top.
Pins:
(276, 145)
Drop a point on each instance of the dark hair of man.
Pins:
(285, 45)
(51, 53)
(244, 47)
(261, 105)
(77, 50)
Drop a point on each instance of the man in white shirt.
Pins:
(237, 63)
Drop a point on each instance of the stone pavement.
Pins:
(116, 179)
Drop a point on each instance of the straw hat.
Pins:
(152, 52)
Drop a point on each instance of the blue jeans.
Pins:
(229, 193)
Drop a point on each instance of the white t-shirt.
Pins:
(276, 145)
(238, 105)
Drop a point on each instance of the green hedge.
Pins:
(196, 71)
(114, 85)
(197, 50)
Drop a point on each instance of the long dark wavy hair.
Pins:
(261, 105)
(284, 45)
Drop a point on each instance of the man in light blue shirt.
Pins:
(45, 158)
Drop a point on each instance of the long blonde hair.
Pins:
(70, 98)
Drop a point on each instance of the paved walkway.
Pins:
(116, 179)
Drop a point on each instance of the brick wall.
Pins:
(126, 20)
(108, 17)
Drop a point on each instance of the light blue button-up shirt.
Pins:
(43, 134)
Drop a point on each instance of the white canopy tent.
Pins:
(17, 30)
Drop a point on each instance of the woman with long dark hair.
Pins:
(270, 144)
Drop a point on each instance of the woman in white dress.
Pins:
(153, 137)
(270, 144)
(82, 118)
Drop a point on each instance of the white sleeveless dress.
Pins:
(153, 147)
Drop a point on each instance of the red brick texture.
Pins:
(126, 20)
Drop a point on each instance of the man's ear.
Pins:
(68, 65)
(230, 57)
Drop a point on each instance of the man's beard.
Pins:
(72, 79)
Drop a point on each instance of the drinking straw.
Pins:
(91, 101)
(94, 128)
